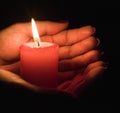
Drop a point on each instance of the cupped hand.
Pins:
(79, 57)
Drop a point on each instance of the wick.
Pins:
(38, 43)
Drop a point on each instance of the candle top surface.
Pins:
(42, 44)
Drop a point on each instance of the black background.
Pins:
(104, 16)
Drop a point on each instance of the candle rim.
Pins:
(43, 44)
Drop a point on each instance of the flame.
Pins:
(36, 36)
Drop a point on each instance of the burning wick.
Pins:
(35, 34)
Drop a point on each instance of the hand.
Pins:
(79, 62)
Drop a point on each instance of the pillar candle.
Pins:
(39, 65)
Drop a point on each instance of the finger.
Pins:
(95, 70)
(64, 85)
(71, 36)
(78, 48)
(13, 67)
(80, 61)
(93, 65)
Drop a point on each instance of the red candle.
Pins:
(39, 62)
(39, 66)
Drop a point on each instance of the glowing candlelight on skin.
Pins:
(39, 61)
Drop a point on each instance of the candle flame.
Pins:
(35, 33)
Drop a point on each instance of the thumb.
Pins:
(8, 77)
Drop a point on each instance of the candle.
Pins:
(39, 61)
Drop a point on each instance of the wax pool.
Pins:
(39, 65)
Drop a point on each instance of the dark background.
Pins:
(104, 16)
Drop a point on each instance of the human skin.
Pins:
(79, 56)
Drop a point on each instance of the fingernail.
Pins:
(98, 41)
